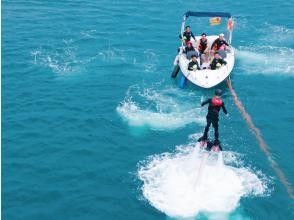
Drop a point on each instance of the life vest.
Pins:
(215, 46)
(202, 45)
(187, 36)
(216, 101)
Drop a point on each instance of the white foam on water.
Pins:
(65, 57)
(266, 60)
(61, 60)
(135, 116)
(147, 60)
(159, 109)
(192, 181)
(89, 33)
(274, 34)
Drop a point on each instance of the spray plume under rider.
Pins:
(215, 104)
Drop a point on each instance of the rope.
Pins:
(261, 141)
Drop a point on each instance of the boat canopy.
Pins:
(207, 14)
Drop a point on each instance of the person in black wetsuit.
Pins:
(219, 43)
(193, 65)
(217, 62)
(187, 35)
(215, 104)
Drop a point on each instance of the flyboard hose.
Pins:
(261, 142)
(197, 177)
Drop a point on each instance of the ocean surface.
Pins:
(93, 126)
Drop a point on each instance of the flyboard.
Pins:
(209, 145)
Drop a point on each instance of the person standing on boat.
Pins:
(193, 65)
(219, 43)
(187, 35)
(217, 62)
(215, 104)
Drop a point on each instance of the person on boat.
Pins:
(219, 43)
(190, 51)
(189, 47)
(202, 44)
(217, 62)
(187, 35)
(205, 63)
(193, 65)
(214, 106)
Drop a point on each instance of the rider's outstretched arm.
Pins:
(205, 102)
(224, 108)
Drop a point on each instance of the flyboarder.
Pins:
(215, 104)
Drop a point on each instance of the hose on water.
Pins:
(263, 146)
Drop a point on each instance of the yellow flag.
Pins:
(215, 21)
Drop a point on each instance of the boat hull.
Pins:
(207, 78)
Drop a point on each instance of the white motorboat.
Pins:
(205, 77)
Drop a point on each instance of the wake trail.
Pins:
(261, 142)
(159, 109)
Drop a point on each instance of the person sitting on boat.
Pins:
(219, 43)
(190, 50)
(202, 44)
(187, 35)
(205, 64)
(215, 104)
(189, 47)
(193, 65)
(217, 62)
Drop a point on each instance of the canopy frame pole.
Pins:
(230, 32)
(183, 28)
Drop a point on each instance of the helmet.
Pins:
(218, 92)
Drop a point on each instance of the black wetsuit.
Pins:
(216, 61)
(218, 42)
(192, 63)
(212, 115)
(202, 45)
(188, 36)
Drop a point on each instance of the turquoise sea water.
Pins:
(93, 127)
